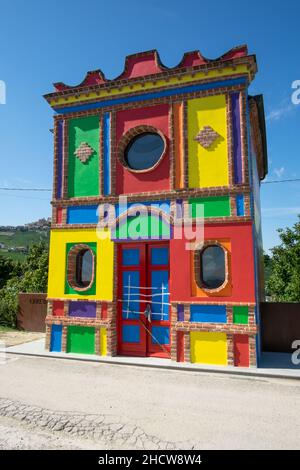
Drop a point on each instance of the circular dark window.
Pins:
(144, 151)
(212, 266)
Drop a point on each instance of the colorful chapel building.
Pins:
(164, 137)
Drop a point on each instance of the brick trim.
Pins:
(197, 266)
(155, 101)
(217, 327)
(142, 81)
(129, 136)
(156, 195)
(71, 267)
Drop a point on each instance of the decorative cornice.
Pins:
(147, 65)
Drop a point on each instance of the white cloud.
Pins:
(279, 113)
(279, 171)
(283, 110)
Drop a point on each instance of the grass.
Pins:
(5, 329)
(19, 238)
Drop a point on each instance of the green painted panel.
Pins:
(83, 177)
(81, 339)
(144, 226)
(240, 314)
(213, 206)
(68, 288)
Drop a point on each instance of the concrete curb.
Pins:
(258, 373)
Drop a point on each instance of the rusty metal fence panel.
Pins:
(32, 312)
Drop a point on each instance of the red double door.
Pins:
(144, 299)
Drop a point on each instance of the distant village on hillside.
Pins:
(41, 224)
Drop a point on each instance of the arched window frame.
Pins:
(197, 266)
(72, 267)
(129, 136)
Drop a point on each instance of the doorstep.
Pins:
(273, 365)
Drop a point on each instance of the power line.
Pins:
(47, 189)
(25, 189)
(281, 181)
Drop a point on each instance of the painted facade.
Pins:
(146, 295)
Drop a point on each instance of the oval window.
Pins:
(212, 265)
(84, 268)
(144, 151)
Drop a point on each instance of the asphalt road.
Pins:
(57, 403)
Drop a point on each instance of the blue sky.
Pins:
(60, 40)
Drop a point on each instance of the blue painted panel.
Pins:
(106, 149)
(160, 295)
(82, 215)
(131, 257)
(56, 335)
(131, 295)
(159, 256)
(240, 209)
(161, 335)
(153, 95)
(130, 334)
(208, 313)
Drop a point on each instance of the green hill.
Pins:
(14, 243)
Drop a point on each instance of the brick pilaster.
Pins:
(64, 339)
(187, 347)
(230, 352)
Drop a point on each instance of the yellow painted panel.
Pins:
(103, 342)
(57, 262)
(240, 69)
(207, 167)
(208, 348)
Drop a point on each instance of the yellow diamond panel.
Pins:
(207, 166)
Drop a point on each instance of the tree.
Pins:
(31, 276)
(268, 266)
(284, 282)
(8, 269)
(35, 275)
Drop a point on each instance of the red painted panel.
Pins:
(58, 308)
(104, 311)
(157, 179)
(59, 215)
(242, 264)
(180, 346)
(241, 350)
(142, 64)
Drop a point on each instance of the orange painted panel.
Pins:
(178, 144)
(227, 291)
